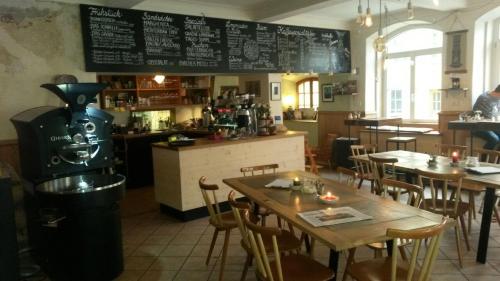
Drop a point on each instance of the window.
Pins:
(436, 101)
(308, 91)
(412, 75)
(396, 102)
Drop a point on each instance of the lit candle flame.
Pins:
(296, 179)
(328, 194)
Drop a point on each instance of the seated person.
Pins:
(486, 103)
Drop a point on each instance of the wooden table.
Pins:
(472, 126)
(286, 203)
(372, 122)
(410, 161)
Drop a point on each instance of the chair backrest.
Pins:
(448, 149)
(382, 167)
(363, 168)
(415, 192)
(239, 208)
(490, 156)
(432, 235)
(261, 169)
(447, 203)
(255, 237)
(347, 176)
(212, 206)
(310, 157)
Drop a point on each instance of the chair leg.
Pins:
(248, 262)
(360, 183)
(263, 220)
(279, 221)
(459, 245)
(212, 244)
(350, 260)
(224, 254)
(403, 253)
(496, 215)
(472, 210)
(377, 253)
(464, 230)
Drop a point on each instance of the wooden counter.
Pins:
(177, 170)
(206, 143)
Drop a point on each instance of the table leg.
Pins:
(333, 263)
(484, 234)
(390, 244)
(349, 132)
(370, 134)
(454, 136)
(376, 136)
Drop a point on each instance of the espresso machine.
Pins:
(245, 114)
(71, 193)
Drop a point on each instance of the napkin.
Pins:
(282, 183)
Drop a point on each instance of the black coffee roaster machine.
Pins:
(70, 190)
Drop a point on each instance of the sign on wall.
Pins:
(122, 40)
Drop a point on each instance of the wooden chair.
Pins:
(311, 164)
(449, 203)
(382, 167)
(363, 168)
(220, 221)
(391, 269)
(261, 170)
(293, 267)
(448, 149)
(490, 156)
(347, 176)
(415, 197)
(286, 242)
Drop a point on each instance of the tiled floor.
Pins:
(158, 247)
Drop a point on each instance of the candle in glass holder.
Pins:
(296, 181)
(454, 157)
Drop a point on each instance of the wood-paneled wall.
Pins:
(447, 135)
(9, 153)
(332, 122)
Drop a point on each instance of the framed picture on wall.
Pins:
(456, 42)
(253, 87)
(327, 92)
(275, 91)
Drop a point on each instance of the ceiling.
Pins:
(278, 10)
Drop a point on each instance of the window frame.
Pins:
(411, 55)
(311, 96)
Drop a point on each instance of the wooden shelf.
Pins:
(454, 90)
(172, 92)
(120, 90)
(158, 89)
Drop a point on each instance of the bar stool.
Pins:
(397, 140)
(403, 140)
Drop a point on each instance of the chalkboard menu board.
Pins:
(122, 40)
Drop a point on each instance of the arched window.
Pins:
(308, 93)
(412, 75)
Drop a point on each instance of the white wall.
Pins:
(37, 41)
(265, 80)
(444, 21)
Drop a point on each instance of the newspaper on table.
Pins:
(280, 183)
(332, 216)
